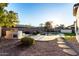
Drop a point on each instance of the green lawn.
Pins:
(69, 34)
(70, 37)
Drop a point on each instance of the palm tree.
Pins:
(41, 25)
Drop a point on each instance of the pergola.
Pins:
(76, 14)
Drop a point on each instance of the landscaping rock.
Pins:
(70, 51)
(61, 42)
(63, 46)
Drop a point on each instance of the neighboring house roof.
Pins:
(21, 26)
(75, 8)
(77, 4)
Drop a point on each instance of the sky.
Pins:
(36, 13)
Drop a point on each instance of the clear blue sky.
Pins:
(36, 13)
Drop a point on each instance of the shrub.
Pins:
(69, 34)
(70, 38)
(27, 41)
(36, 32)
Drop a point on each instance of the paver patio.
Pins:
(41, 48)
(47, 48)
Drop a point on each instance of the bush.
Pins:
(27, 32)
(35, 32)
(27, 41)
(69, 34)
(70, 38)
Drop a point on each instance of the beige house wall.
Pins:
(77, 24)
(77, 17)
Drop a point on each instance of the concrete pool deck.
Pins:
(45, 37)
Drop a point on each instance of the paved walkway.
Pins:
(66, 47)
(44, 48)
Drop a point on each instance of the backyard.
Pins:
(44, 36)
(71, 37)
(42, 47)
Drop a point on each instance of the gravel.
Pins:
(49, 48)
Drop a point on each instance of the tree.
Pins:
(48, 26)
(62, 26)
(41, 27)
(3, 18)
(12, 19)
(41, 24)
(2, 12)
(7, 18)
(2, 6)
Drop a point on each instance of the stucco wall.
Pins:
(66, 31)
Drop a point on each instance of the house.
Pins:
(76, 14)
